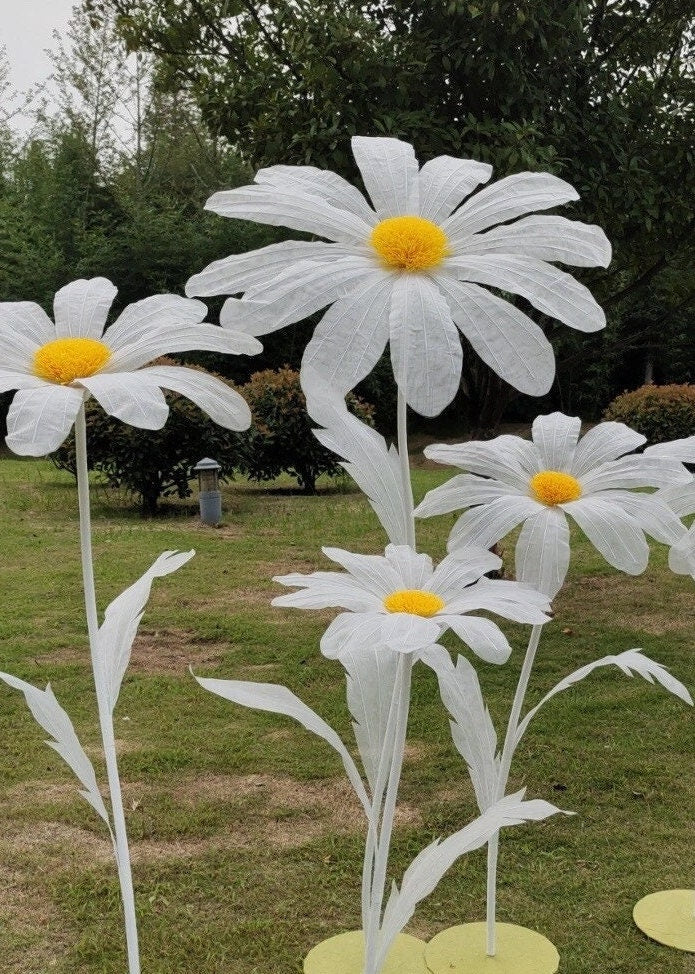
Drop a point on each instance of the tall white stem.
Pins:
(103, 704)
(503, 778)
(405, 462)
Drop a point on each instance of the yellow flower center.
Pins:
(414, 601)
(555, 487)
(409, 243)
(66, 359)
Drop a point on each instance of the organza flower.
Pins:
(401, 601)
(408, 268)
(55, 367)
(510, 481)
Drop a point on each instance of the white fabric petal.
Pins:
(457, 571)
(350, 338)
(602, 443)
(81, 308)
(257, 318)
(511, 600)
(413, 569)
(509, 459)
(635, 471)
(140, 319)
(259, 267)
(683, 449)
(130, 397)
(555, 436)
(445, 181)
(373, 572)
(505, 338)
(489, 523)
(650, 511)
(547, 288)
(327, 590)
(553, 238)
(507, 199)
(9, 380)
(680, 498)
(463, 490)
(615, 534)
(397, 631)
(17, 351)
(40, 419)
(27, 319)
(224, 406)
(543, 551)
(681, 558)
(390, 174)
(319, 182)
(181, 338)
(298, 211)
(482, 635)
(425, 346)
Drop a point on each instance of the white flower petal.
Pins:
(257, 318)
(511, 600)
(327, 590)
(182, 338)
(482, 635)
(425, 346)
(350, 338)
(604, 442)
(445, 181)
(543, 551)
(635, 471)
(507, 199)
(81, 308)
(463, 490)
(9, 380)
(309, 214)
(412, 568)
(556, 437)
(319, 182)
(505, 338)
(455, 572)
(547, 288)
(508, 459)
(258, 267)
(224, 406)
(17, 351)
(553, 238)
(680, 498)
(40, 419)
(487, 524)
(681, 558)
(373, 572)
(130, 397)
(141, 318)
(27, 319)
(650, 511)
(396, 631)
(615, 534)
(683, 449)
(390, 173)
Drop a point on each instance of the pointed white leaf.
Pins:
(371, 676)
(279, 700)
(472, 729)
(373, 466)
(122, 618)
(50, 715)
(630, 662)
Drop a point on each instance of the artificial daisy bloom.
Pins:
(55, 367)
(510, 481)
(400, 601)
(681, 500)
(407, 269)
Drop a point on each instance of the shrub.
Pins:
(658, 412)
(280, 438)
(152, 463)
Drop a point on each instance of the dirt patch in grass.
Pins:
(600, 598)
(33, 940)
(172, 651)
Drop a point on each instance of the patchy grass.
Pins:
(246, 841)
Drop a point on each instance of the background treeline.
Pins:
(161, 103)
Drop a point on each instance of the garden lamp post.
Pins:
(210, 498)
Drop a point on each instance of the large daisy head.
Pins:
(55, 366)
(411, 266)
(596, 480)
(399, 600)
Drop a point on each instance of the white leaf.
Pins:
(432, 863)
(279, 700)
(122, 618)
(51, 716)
(373, 466)
(630, 662)
(472, 729)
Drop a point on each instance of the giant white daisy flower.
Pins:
(55, 367)
(408, 268)
(401, 601)
(510, 481)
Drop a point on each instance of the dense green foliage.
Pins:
(660, 413)
(280, 439)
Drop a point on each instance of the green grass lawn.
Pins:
(247, 844)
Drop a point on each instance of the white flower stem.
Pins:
(105, 716)
(405, 463)
(503, 777)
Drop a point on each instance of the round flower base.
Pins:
(344, 954)
(462, 950)
(668, 917)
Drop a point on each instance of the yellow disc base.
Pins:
(462, 950)
(344, 954)
(667, 917)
